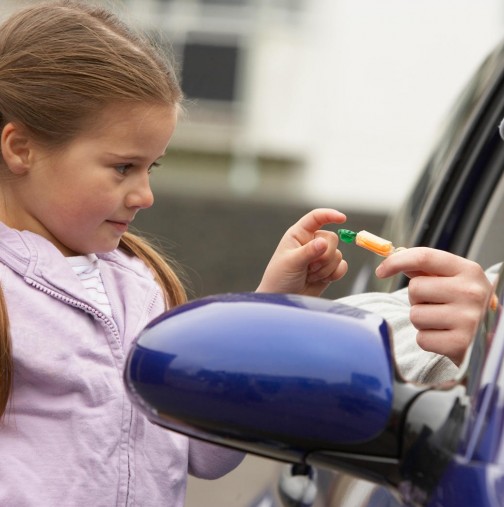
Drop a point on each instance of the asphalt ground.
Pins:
(237, 489)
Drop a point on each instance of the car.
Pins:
(313, 383)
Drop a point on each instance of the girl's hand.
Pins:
(306, 260)
(448, 295)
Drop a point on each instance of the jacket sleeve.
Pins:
(209, 461)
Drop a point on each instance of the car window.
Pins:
(487, 246)
(471, 125)
(452, 130)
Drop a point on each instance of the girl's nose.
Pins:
(140, 195)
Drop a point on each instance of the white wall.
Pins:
(387, 75)
(358, 89)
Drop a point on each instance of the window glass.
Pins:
(209, 71)
(452, 131)
(487, 247)
(224, 2)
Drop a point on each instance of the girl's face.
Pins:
(83, 197)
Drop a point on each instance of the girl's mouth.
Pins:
(122, 227)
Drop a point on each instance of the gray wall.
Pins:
(224, 246)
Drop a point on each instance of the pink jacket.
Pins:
(71, 436)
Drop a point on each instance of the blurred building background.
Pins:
(295, 104)
(315, 101)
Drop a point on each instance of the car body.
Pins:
(311, 382)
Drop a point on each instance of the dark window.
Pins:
(224, 2)
(209, 71)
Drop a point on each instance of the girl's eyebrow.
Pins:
(124, 155)
(127, 156)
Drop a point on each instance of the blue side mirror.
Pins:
(278, 375)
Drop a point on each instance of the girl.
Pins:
(86, 109)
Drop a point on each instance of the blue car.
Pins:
(313, 383)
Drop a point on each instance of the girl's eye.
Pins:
(122, 168)
(152, 166)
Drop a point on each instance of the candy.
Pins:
(374, 243)
(368, 241)
(494, 302)
(346, 235)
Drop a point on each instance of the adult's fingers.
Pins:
(434, 289)
(422, 261)
(428, 316)
(463, 289)
(447, 343)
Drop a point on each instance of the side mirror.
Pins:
(281, 376)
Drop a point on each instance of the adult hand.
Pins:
(448, 295)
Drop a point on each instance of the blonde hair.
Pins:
(61, 62)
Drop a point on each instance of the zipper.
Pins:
(110, 324)
(79, 304)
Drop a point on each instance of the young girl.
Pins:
(86, 109)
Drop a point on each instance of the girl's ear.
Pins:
(15, 148)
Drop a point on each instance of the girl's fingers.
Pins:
(313, 221)
(329, 272)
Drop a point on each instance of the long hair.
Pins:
(62, 62)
